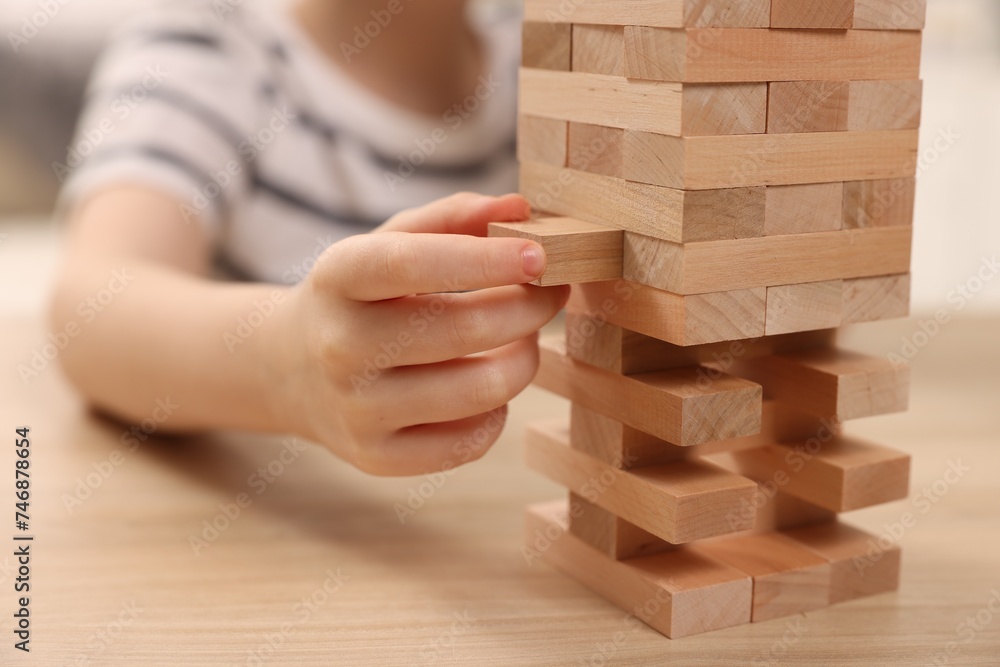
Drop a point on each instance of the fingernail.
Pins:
(533, 259)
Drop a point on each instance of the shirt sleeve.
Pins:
(172, 105)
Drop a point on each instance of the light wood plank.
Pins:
(840, 474)
(890, 14)
(709, 110)
(667, 213)
(808, 106)
(673, 405)
(801, 209)
(885, 203)
(599, 49)
(879, 298)
(736, 55)
(596, 149)
(720, 266)
(702, 163)
(679, 502)
(804, 307)
(546, 45)
(666, 13)
(542, 140)
(832, 383)
(576, 251)
(826, 14)
(788, 579)
(609, 533)
(884, 105)
(861, 565)
(680, 320)
(679, 593)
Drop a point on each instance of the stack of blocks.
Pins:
(729, 181)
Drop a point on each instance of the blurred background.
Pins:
(42, 82)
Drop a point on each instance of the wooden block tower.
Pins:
(728, 182)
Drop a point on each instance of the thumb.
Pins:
(463, 213)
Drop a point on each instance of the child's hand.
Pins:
(379, 344)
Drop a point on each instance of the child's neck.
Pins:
(425, 58)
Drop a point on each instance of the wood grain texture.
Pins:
(680, 320)
(884, 203)
(673, 405)
(703, 163)
(596, 149)
(808, 106)
(720, 266)
(842, 14)
(839, 473)
(804, 307)
(673, 109)
(600, 99)
(546, 45)
(857, 569)
(801, 209)
(826, 14)
(679, 593)
(576, 251)
(708, 110)
(599, 49)
(736, 55)
(884, 105)
(679, 502)
(879, 298)
(609, 533)
(837, 384)
(665, 13)
(667, 213)
(542, 140)
(890, 14)
(788, 579)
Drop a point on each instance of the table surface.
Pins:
(319, 570)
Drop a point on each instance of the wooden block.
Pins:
(596, 149)
(678, 502)
(736, 55)
(676, 319)
(676, 215)
(599, 99)
(622, 447)
(804, 307)
(800, 209)
(720, 266)
(884, 105)
(612, 443)
(609, 533)
(599, 49)
(542, 140)
(724, 109)
(828, 14)
(577, 251)
(777, 510)
(840, 474)
(679, 593)
(788, 579)
(673, 405)
(705, 163)
(886, 203)
(832, 383)
(665, 13)
(546, 45)
(807, 106)
(596, 341)
(668, 108)
(890, 14)
(879, 298)
(855, 573)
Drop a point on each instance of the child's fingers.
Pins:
(454, 389)
(463, 213)
(433, 328)
(428, 448)
(387, 266)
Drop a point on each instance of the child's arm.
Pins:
(349, 358)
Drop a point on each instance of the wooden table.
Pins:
(116, 580)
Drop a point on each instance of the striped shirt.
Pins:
(234, 112)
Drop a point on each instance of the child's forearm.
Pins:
(144, 338)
